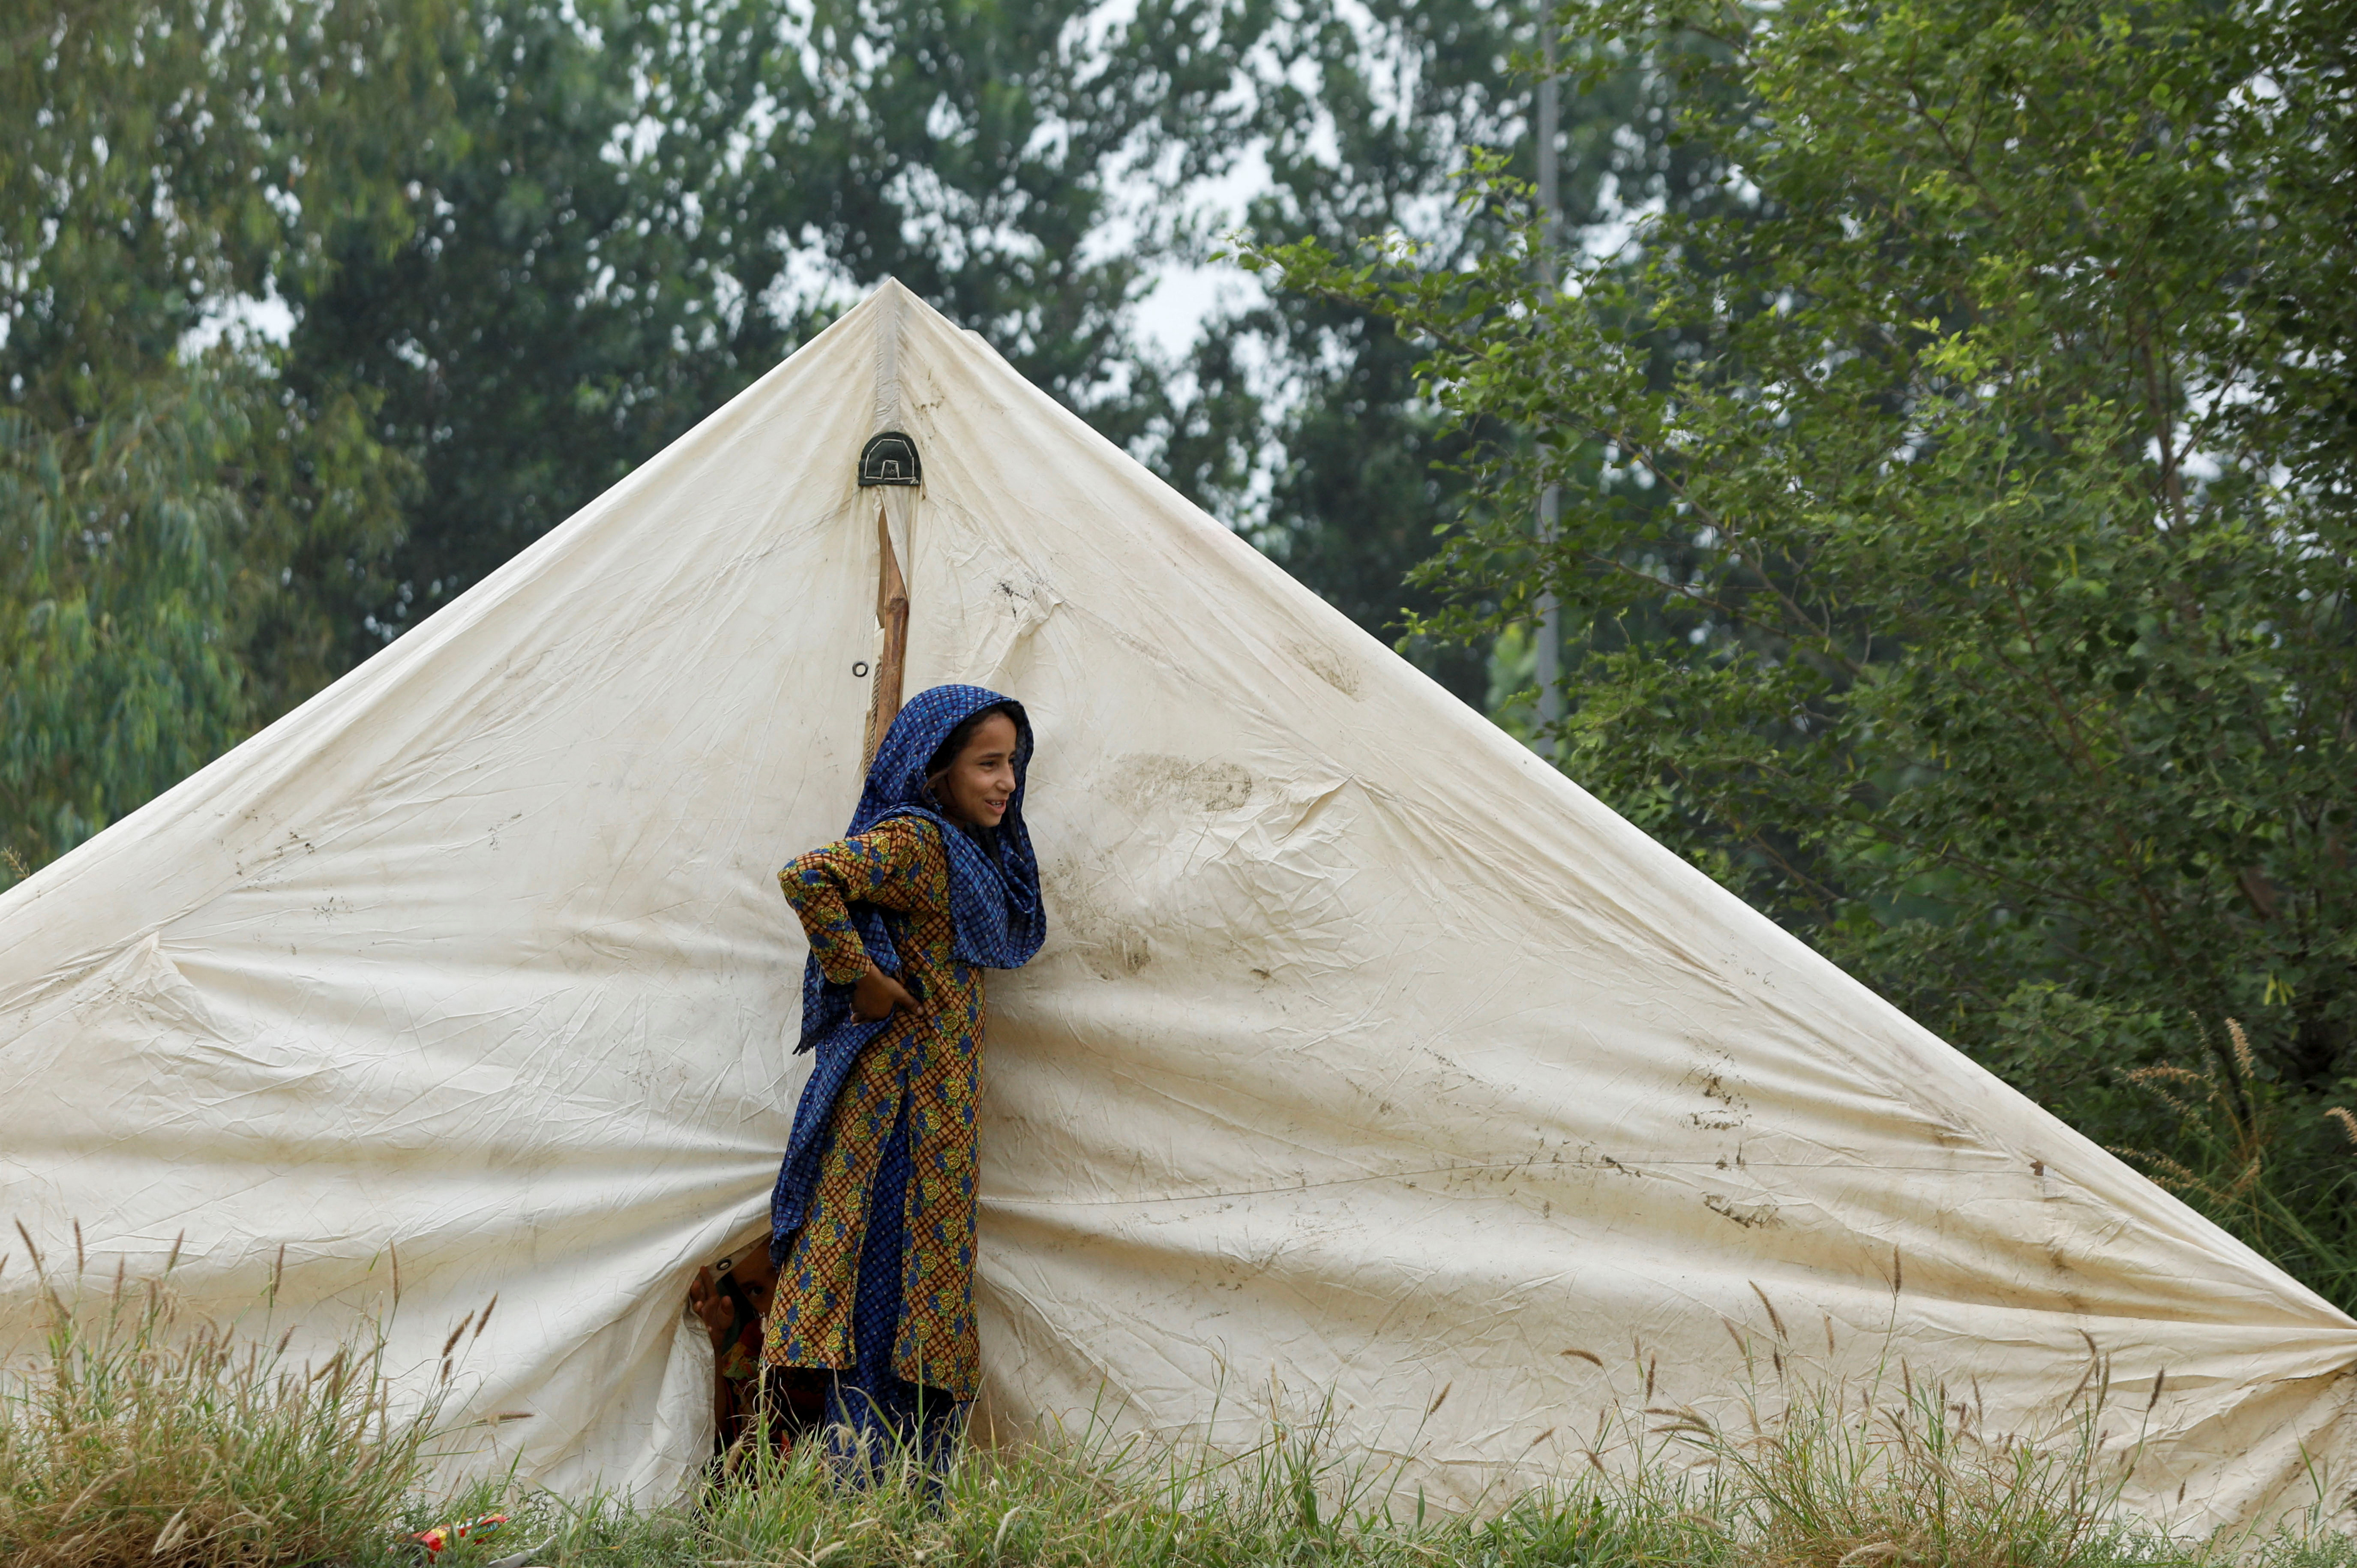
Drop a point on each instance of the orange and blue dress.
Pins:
(873, 1222)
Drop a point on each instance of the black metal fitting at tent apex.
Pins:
(890, 458)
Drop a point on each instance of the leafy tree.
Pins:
(164, 513)
(639, 209)
(975, 153)
(609, 259)
(575, 293)
(1363, 121)
(525, 245)
(1961, 540)
(1366, 118)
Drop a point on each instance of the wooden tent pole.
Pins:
(892, 613)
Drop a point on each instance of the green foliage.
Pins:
(1958, 539)
(639, 209)
(551, 317)
(1814, 1478)
(130, 1434)
(1340, 471)
(1343, 470)
(2244, 1151)
(160, 159)
(145, 629)
(971, 152)
(136, 1439)
(524, 245)
(167, 515)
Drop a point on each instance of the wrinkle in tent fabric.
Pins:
(1368, 1055)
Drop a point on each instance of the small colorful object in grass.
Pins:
(447, 1535)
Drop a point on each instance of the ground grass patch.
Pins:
(1837, 1478)
(134, 1433)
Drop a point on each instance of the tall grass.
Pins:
(1837, 1478)
(131, 1433)
(1841, 1477)
(2262, 1161)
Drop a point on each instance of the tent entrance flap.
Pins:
(892, 618)
(888, 464)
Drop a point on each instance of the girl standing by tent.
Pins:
(873, 1221)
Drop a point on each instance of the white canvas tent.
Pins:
(1366, 1054)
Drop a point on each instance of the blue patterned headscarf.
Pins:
(994, 879)
(993, 905)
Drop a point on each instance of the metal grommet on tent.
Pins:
(859, 669)
(890, 458)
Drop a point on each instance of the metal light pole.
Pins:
(1550, 649)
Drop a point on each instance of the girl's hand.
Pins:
(879, 995)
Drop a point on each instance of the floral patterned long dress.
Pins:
(880, 1281)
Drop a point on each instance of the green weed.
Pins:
(1842, 1478)
(133, 1435)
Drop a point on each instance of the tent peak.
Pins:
(887, 300)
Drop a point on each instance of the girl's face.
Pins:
(976, 788)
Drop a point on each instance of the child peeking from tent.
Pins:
(732, 1297)
(873, 1220)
